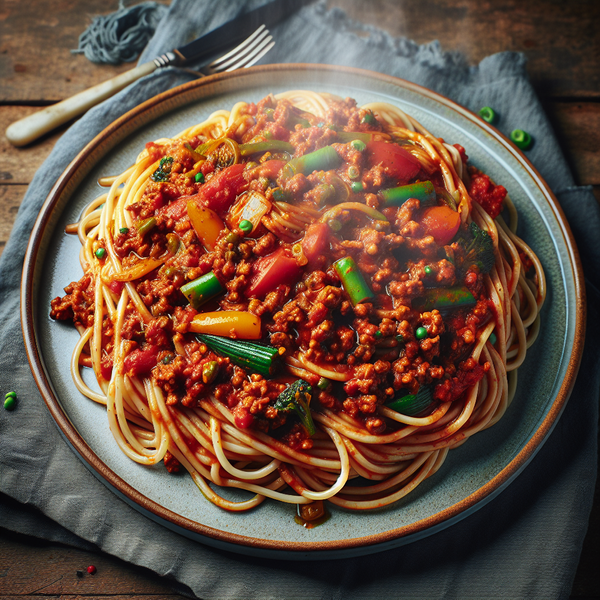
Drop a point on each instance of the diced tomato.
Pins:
(487, 194)
(219, 192)
(177, 209)
(141, 361)
(116, 287)
(243, 417)
(397, 162)
(315, 242)
(271, 271)
(441, 222)
(269, 169)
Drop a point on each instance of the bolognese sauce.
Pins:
(331, 242)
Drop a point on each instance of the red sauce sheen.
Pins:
(284, 274)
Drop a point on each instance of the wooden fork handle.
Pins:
(32, 127)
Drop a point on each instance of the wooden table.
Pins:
(561, 42)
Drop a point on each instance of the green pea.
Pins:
(356, 186)
(421, 333)
(428, 270)
(100, 253)
(493, 338)
(358, 145)
(246, 226)
(10, 402)
(124, 230)
(199, 177)
(487, 114)
(521, 138)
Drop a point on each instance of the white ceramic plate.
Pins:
(472, 474)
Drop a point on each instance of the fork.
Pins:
(32, 127)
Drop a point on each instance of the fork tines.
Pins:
(246, 54)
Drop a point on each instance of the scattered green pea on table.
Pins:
(10, 400)
(488, 114)
(521, 138)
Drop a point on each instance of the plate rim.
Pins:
(240, 543)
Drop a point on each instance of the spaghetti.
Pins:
(304, 299)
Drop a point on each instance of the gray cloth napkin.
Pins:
(524, 544)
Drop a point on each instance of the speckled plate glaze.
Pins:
(472, 474)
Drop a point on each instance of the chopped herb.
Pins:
(369, 118)
(164, 169)
(479, 250)
(296, 398)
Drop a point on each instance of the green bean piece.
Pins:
(323, 383)
(413, 404)
(324, 159)
(267, 146)
(352, 280)
(172, 243)
(201, 290)
(422, 190)
(146, 225)
(348, 137)
(248, 355)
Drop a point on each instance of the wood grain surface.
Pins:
(561, 42)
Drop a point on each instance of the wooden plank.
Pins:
(577, 127)
(10, 200)
(18, 165)
(55, 572)
(36, 62)
(560, 39)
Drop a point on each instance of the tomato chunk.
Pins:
(315, 242)
(396, 161)
(219, 192)
(271, 271)
(489, 195)
(141, 361)
(441, 222)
